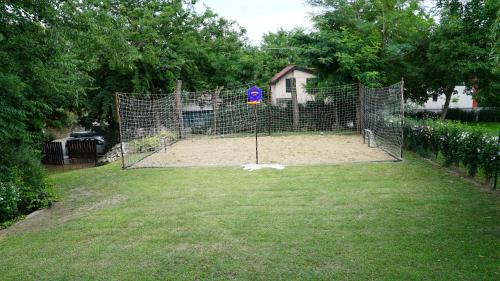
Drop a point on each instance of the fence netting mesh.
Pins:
(152, 123)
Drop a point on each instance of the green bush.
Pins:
(151, 143)
(23, 188)
(457, 143)
(471, 155)
(489, 156)
(9, 199)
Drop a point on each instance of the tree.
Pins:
(447, 52)
(40, 82)
(378, 41)
(61, 57)
(462, 51)
(145, 46)
(373, 42)
(277, 51)
(481, 20)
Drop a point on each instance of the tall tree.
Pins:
(59, 57)
(278, 50)
(462, 50)
(374, 42)
(144, 46)
(446, 54)
(481, 22)
(41, 80)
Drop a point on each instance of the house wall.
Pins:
(458, 100)
(278, 90)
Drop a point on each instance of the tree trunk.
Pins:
(269, 104)
(215, 107)
(178, 108)
(448, 94)
(360, 109)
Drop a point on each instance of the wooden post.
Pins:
(361, 116)
(336, 113)
(118, 119)
(402, 115)
(178, 106)
(157, 114)
(295, 106)
(215, 107)
(358, 111)
(269, 113)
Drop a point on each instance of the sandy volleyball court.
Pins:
(288, 150)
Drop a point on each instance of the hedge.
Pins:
(457, 144)
(482, 115)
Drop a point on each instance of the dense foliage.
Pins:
(456, 143)
(40, 82)
(60, 58)
(144, 47)
(68, 58)
(368, 41)
(463, 50)
(379, 41)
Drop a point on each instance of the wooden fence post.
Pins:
(295, 106)
(178, 107)
(361, 110)
(269, 105)
(215, 107)
(118, 119)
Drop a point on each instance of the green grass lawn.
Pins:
(487, 127)
(379, 221)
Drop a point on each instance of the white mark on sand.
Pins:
(253, 167)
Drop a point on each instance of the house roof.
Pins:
(288, 69)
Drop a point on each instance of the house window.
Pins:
(434, 98)
(288, 85)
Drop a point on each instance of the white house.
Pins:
(281, 85)
(460, 99)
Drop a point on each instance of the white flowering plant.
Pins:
(456, 143)
(9, 198)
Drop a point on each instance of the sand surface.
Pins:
(287, 150)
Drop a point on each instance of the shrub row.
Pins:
(482, 115)
(456, 143)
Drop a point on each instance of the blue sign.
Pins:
(254, 95)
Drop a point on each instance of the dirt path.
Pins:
(77, 204)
